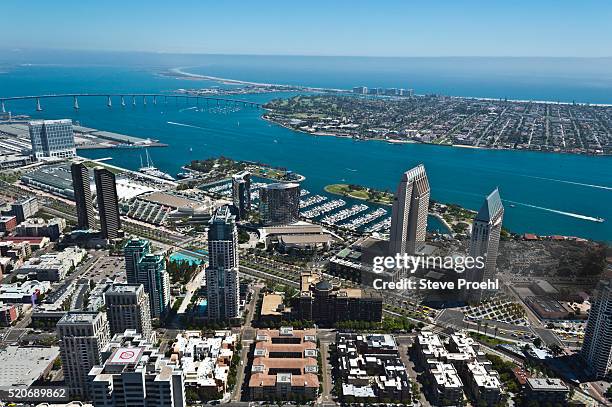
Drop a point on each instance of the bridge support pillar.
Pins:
(38, 108)
(154, 100)
(109, 102)
(76, 103)
(122, 101)
(3, 107)
(133, 100)
(144, 100)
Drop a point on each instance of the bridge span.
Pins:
(135, 97)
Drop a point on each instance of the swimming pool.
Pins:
(182, 257)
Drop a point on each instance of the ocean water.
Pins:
(544, 193)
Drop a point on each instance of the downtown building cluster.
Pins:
(455, 366)
(408, 235)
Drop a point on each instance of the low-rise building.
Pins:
(38, 227)
(284, 365)
(35, 243)
(23, 208)
(7, 223)
(546, 390)
(53, 266)
(547, 308)
(8, 314)
(355, 263)
(483, 383)
(299, 237)
(22, 366)
(273, 308)
(371, 368)
(26, 292)
(460, 356)
(16, 251)
(206, 361)
(325, 303)
(5, 263)
(445, 387)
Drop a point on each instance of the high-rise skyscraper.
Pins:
(148, 269)
(597, 346)
(222, 272)
(82, 196)
(409, 213)
(127, 307)
(52, 138)
(153, 276)
(241, 193)
(134, 251)
(484, 242)
(108, 203)
(82, 336)
(134, 372)
(279, 203)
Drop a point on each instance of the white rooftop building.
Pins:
(206, 361)
(22, 366)
(25, 292)
(53, 266)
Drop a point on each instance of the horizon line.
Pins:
(197, 53)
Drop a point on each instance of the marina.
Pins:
(323, 209)
(360, 221)
(315, 199)
(382, 226)
(339, 216)
(567, 183)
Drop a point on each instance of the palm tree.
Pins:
(478, 323)
(496, 329)
(486, 325)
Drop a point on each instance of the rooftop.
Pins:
(24, 365)
(79, 317)
(491, 207)
(281, 185)
(547, 384)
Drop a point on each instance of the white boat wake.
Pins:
(571, 214)
(188, 108)
(186, 125)
(571, 182)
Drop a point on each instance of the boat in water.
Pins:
(184, 175)
(151, 170)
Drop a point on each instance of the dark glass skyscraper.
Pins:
(108, 203)
(134, 251)
(279, 204)
(241, 193)
(82, 196)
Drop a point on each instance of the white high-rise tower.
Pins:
(484, 243)
(222, 282)
(409, 214)
(597, 346)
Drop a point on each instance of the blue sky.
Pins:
(365, 28)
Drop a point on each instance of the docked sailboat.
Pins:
(153, 171)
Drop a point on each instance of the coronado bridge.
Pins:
(123, 99)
